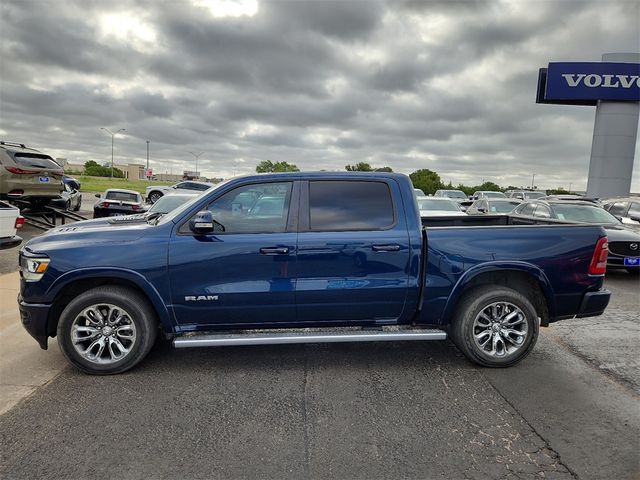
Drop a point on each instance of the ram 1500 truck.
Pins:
(306, 258)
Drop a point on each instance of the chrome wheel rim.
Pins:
(500, 329)
(103, 333)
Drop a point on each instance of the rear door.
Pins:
(244, 275)
(353, 252)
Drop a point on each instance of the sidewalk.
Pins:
(24, 366)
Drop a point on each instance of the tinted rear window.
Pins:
(347, 205)
(36, 160)
(122, 196)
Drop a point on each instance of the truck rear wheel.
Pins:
(154, 196)
(495, 326)
(107, 330)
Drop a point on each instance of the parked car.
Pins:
(71, 181)
(438, 206)
(166, 204)
(69, 199)
(155, 192)
(526, 194)
(626, 209)
(345, 250)
(419, 192)
(495, 206)
(580, 198)
(457, 195)
(487, 194)
(10, 222)
(28, 175)
(624, 241)
(117, 202)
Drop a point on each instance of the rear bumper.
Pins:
(10, 242)
(594, 303)
(34, 318)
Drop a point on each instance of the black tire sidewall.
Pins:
(140, 313)
(474, 302)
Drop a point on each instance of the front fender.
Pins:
(500, 267)
(120, 273)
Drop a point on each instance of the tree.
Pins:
(426, 180)
(384, 169)
(359, 167)
(267, 166)
(92, 168)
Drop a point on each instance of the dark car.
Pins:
(493, 206)
(624, 241)
(70, 198)
(626, 209)
(72, 182)
(116, 202)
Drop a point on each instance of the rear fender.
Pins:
(503, 268)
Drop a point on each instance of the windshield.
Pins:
(583, 214)
(122, 196)
(187, 205)
(494, 195)
(502, 207)
(444, 205)
(169, 202)
(454, 194)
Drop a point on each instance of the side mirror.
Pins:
(482, 210)
(203, 223)
(635, 218)
(97, 195)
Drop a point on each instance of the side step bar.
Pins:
(266, 338)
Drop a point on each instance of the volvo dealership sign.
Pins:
(580, 83)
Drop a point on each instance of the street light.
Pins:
(146, 174)
(112, 136)
(197, 156)
(533, 178)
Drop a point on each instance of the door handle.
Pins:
(385, 248)
(274, 250)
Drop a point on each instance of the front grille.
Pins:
(625, 248)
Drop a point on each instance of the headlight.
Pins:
(32, 268)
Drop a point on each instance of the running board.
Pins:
(280, 338)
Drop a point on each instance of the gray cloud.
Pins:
(414, 84)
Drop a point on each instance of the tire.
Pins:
(67, 205)
(154, 196)
(135, 329)
(78, 206)
(475, 322)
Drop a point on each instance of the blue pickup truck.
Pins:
(306, 258)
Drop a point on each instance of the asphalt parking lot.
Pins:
(570, 410)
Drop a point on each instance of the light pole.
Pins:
(533, 179)
(197, 156)
(146, 174)
(112, 136)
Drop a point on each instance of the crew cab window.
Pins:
(257, 208)
(348, 205)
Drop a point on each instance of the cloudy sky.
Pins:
(446, 85)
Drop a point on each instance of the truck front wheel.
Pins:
(107, 330)
(495, 326)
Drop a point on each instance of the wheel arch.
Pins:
(525, 278)
(74, 283)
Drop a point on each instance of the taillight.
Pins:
(16, 193)
(598, 265)
(19, 222)
(104, 204)
(135, 207)
(20, 171)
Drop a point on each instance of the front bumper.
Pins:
(594, 303)
(34, 318)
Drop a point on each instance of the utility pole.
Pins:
(197, 156)
(147, 172)
(112, 137)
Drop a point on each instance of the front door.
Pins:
(244, 274)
